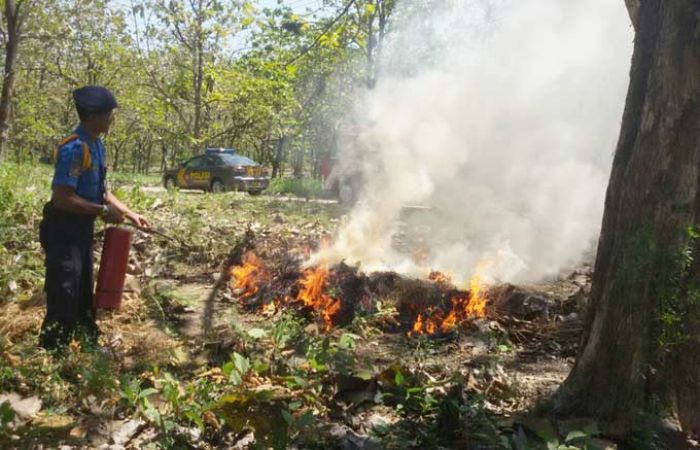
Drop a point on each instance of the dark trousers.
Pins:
(67, 241)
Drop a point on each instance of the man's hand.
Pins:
(113, 215)
(131, 216)
(138, 220)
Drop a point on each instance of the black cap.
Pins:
(94, 100)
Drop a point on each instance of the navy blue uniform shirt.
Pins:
(88, 183)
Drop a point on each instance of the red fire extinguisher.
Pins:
(110, 279)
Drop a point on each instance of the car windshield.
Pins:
(237, 160)
(195, 163)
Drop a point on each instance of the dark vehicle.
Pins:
(217, 151)
(219, 171)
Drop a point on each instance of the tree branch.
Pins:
(327, 28)
(156, 85)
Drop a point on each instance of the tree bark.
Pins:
(279, 157)
(163, 156)
(633, 9)
(147, 161)
(198, 75)
(298, 165)
(13, 22)
(640, 350)
(115, 164)
(173, 155)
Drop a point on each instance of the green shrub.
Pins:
(301, 187)
(23, 191)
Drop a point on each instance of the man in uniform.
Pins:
(79, 196)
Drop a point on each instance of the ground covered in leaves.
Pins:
(190, 361)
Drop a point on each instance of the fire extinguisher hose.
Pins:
(162, 235)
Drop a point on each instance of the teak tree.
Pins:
(640, 356)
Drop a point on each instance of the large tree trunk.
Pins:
(13, 23)
(640, 349)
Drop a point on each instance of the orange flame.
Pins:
(476, 307)
(428, 324)
(452, 319)
(247, 277)
(431, 325)
(313, 295)
(418, 325)
(464, 307)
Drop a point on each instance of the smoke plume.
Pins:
(486, 144)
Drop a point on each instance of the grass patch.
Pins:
(23, 191)
(139, 179)
(301, 187)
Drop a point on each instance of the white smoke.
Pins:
(499, 118)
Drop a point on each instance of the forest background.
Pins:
(269, 78)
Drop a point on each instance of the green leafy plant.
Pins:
(139, 400)
(286, 330)
(7, 415)
(296, 419)
(575, 440)
(237, 368)
(182, 403)
(325, 353)
(22, 195)
(133, 395)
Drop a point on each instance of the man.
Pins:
(79, 195)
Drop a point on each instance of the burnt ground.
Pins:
(276, 378)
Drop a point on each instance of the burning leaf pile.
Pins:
(311, 288)
(333, 295)
(465, 306)
(246, 278)
(313, 294)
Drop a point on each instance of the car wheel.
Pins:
(254, 193)
(170, 183)
(217, 187)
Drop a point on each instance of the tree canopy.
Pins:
(271, 82)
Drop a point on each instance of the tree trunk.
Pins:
(633, 8)
(369, 52)
(197, 131)
(163, 157)
(115, 164)
(313, 160)
(147, 161)
(279, 155)
(13, 23)
(138, 151)
(640, 350)
(298, 165)
(173, 154)
(198, 65)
